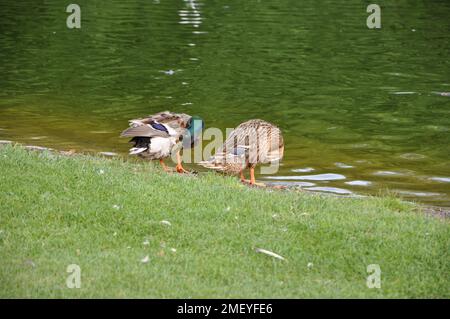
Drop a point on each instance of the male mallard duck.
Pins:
(155, 137)
(252, 142)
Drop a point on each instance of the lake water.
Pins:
(362, 110)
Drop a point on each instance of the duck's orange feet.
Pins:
(252, 176)
(181, 170)
(164, 166)
(179, 167)
(252, 181)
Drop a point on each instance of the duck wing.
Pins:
(162, 124)
(168, 117)
(146, 130)
(259, 141)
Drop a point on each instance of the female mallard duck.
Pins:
(252, 142)
(155, 137)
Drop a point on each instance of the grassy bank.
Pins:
(105, 216)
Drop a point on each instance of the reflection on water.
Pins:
(343, 165)
(441, 179)
(361, 110)
(303, 170)
(359, 183)
(319, 177)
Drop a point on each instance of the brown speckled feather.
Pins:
(177, 121)
(252, 142)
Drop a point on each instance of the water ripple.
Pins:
(359, 183)
(441, 179)
(318, 177)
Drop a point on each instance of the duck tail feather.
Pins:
(137, 150)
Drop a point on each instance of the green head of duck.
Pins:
(194, 130)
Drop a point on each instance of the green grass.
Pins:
(57, 211)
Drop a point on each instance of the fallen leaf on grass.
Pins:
(145, 260)
(269, 253)
(166, 222)
(304, 214)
